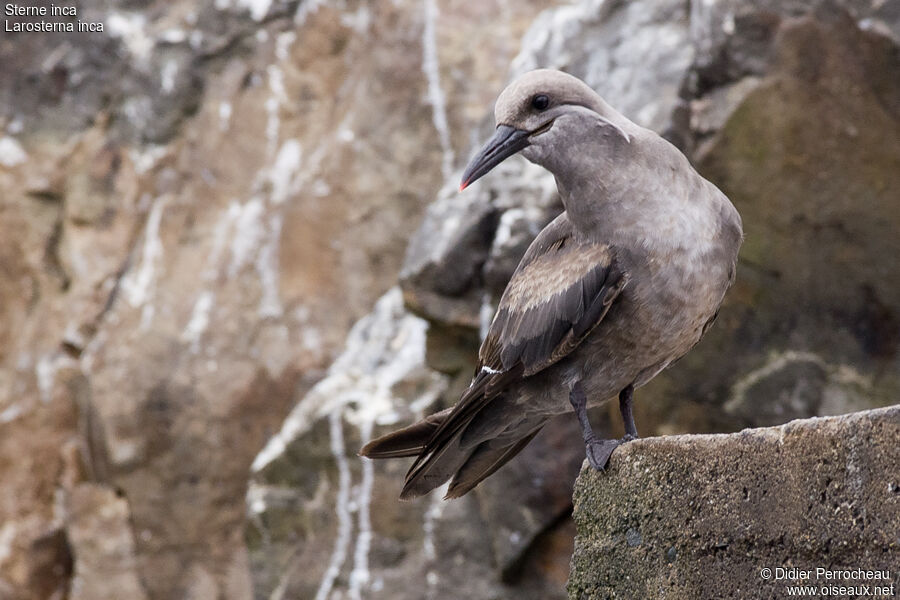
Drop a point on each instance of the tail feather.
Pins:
(443, 453)
(439, 467)
(483, 463)
(409, 441)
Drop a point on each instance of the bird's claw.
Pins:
(599, 451)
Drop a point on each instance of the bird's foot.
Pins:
(599, 451)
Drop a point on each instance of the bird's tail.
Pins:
(441, 458)
(436, 459)
(409, 441)
(486, 459)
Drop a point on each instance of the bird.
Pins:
(623, 283)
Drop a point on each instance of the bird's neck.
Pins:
(599, 196)
(595, 162)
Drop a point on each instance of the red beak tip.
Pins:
(463, 185)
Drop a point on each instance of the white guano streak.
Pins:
(11, 413)
(130, 28)
(224, 115)
(359, 576)
(263, 237)
(273, 106)
(199, 320)
(485, 316)
(200, 314)
(339, 554)
(284, 172)
(167, 76)
(7, 537)
(432, 71)
(267, 267)
(258, 8)
(138, 288)
(248, 234)
(306, 8)
(11, 152)
(45, 371)
(436, 507)
(283, 177)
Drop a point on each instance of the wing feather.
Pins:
(552, 302)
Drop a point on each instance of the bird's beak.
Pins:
(505, 142)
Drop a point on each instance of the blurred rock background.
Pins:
(232, 251)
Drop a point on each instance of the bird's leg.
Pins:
(625, 397)
(598, 451)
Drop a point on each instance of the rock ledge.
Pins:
(701, 516)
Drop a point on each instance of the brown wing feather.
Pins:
(551, 304)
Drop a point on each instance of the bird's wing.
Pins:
(561, 290)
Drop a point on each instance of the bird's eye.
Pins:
(540, 102)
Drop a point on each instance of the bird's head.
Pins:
(541, 112)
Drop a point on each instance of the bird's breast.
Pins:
(673, 294)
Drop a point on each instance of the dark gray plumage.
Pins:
(619, 286)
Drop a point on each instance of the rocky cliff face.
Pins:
(691, 75)
(717, 516)
(199, 203)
